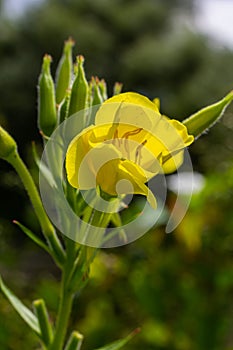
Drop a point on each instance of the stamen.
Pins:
(138, 154)
(132, 133)
(116, 122)
(126, 144)
(116, 138)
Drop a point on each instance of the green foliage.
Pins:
(22, 310)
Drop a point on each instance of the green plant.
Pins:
(115, 137)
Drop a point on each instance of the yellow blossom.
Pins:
(129, 144)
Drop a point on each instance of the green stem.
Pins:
(66, 298)
(46, 226)
(63, 318)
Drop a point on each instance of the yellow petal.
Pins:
(133, 98)
(128, 108)
(183, 132)
(173, 163)
(77, 150)
(156, 101)
(124, 177)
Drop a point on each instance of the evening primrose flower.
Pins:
(128, 145)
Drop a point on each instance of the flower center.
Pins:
(123, 143)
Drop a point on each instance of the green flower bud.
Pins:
(117, 88)
(79, 91)
(207, 117)
(8, 145)
(47, 115)
(97, 97)
(103, 89)
(64, 107)
(64, 71)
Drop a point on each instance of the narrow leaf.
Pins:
(75, 341)
(43, 320)
(33, 236)
(22, 310)
(121, 342)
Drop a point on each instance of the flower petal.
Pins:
(134, 98)
(172, 163)
(128, 108)
(124, 177)
(77, 150)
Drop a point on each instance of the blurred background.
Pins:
(177, 287)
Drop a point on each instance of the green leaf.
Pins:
(207, 117)
(33, 236)
(75, 341)
(121, 342)
(44, 322)
(22, 310)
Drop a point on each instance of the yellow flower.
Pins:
(129, 144)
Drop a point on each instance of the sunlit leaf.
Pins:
(33, 236)
(22, 310)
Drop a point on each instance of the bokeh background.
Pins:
(177, 287)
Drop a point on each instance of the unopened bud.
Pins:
(117, 88)
(79, 91)
(64, 71)
(103, 89)
(8, 145)
(47, 115)
(207, 117)
(64, 107)
(97, 97)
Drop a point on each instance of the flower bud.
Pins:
(47, 115)
(7, 144)
(117, 88)
(79, 91)
(64, 107)
(103, 89)
(64, 71)
(207, 117)
(97, 97)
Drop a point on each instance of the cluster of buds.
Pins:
(69, 93)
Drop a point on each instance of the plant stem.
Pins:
(65, 304)
(46, 226)
(62, 321)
